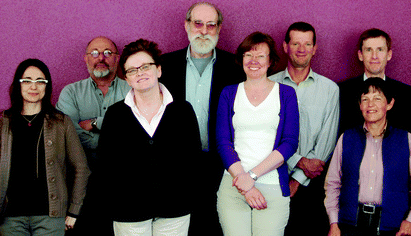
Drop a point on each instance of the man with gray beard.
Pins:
(86, 101)
(198, 74)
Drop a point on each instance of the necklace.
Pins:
(29, 124)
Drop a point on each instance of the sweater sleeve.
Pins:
(224, 127)
(289, 115)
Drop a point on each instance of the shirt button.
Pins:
(151, 142)
(54, 213)
(53, 197)
(52, 179)
(49, 143)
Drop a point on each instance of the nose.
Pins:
(33, 86)
(374, 54)
(301, 48)
(203, 30)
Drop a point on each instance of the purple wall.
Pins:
(57, 31)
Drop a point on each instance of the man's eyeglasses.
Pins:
(211, 25)
(143, 68)
(29, 82)
(106, 53)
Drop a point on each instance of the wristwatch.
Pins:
(94, 124)
(253, 175)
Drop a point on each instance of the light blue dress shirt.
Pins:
(83, 100)
(319, 108)
(198, 88)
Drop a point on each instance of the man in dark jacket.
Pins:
(198, 74)
(374, 50)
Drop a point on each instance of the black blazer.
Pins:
(225, 72)
(350, 110)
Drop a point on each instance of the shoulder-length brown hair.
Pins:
(252, 41)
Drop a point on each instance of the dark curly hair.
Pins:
(141, 45)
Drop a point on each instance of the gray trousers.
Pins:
(33, 225)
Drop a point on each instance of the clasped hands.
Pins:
(245, 185)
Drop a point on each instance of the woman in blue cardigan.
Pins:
(257, 131)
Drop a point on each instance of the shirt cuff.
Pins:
(333, 216)
(409, 217)
(300, 177)
(293, 161)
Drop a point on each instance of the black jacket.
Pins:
(225, 72)
(351, 115)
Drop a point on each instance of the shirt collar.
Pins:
(113, 83)
(310, 76)
(188, 55)
(167, 97)
(365, 77)
(384, 131)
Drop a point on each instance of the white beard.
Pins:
(101, 74)
(200, 46)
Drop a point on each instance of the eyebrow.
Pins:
(38, 78)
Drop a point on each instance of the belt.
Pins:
(369, 217)
(369, 209)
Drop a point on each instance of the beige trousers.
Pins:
(158, 226)
(238, 218)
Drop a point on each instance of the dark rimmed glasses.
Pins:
(143, 68)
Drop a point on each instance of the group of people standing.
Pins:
(203, 142)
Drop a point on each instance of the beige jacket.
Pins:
(61, 145)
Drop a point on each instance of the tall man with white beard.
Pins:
(198, 74)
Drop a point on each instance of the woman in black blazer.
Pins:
(148, 150)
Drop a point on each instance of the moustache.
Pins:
(205, 37)
(101, 63)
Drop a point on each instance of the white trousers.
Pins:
(238, 218)
(153, 227)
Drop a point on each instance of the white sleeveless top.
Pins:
(255, 130)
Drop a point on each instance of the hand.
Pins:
(70, 221)
(86, 125)
(243, 182)
(311, 167)
(334, 230)
(294, 184)
(255, 199)
(405, 229)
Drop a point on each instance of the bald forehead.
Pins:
(101, 43)
(204, 12)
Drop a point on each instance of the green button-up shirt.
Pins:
(198, 88)
(83, 100)
(319, 108)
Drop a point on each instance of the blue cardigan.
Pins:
(286, 141)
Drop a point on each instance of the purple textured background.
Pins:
(57, 31)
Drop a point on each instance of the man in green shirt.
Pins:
(86, 101)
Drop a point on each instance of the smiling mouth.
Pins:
(142, 80)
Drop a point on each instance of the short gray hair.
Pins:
(219, 14)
